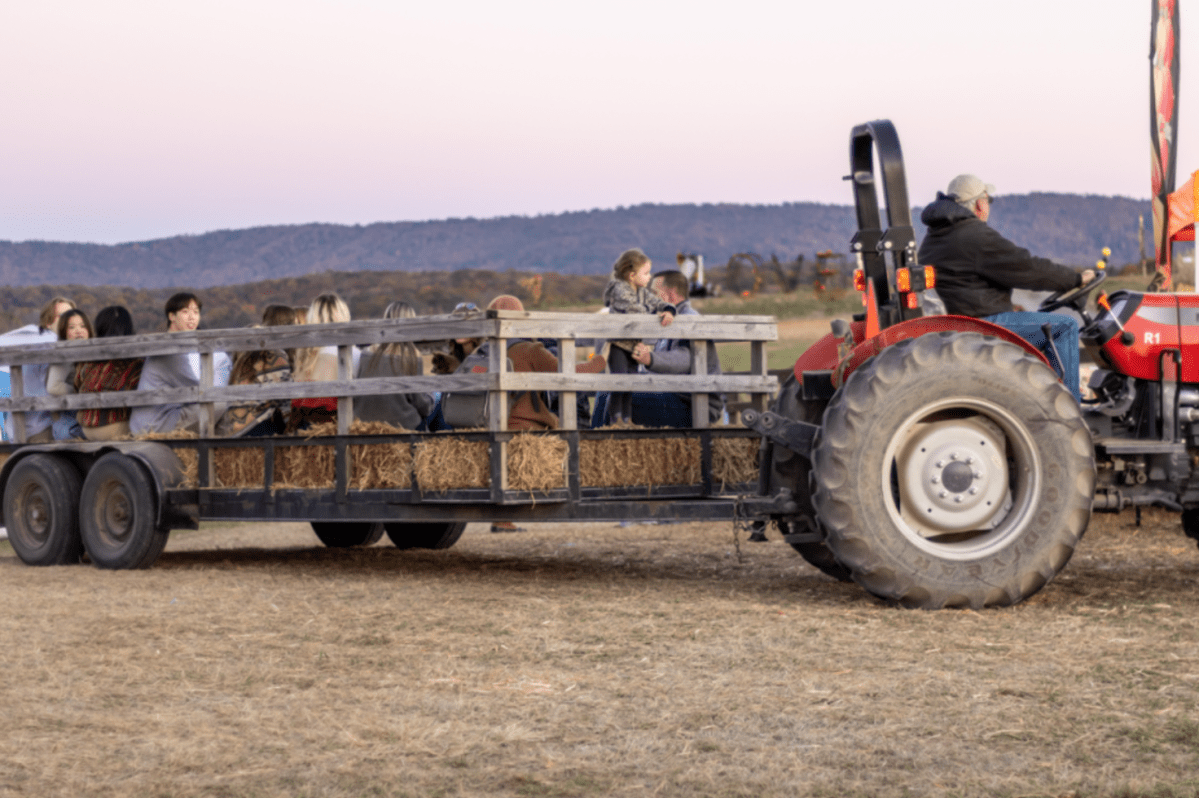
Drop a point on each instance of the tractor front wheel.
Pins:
(953, 470)
(785, 468)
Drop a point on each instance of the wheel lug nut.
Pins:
(969, 461)
(953, 456)
(936, 480)
(943, 494)
(957, 499)
(978, 475)
(940, 464)
(973, 491)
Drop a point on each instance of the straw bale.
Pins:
(240, 468)
(735, 460)
(189, 458)
(537, 462)
(375, 465)
(445, 461)
(667, 460)
(380, 465)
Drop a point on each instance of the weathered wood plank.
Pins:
(422, 330)
(699, 401)
(568, 409)
(511, 381)
(643, 326)
(17, 390)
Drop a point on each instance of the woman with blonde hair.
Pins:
(397, 359)
(319, 364)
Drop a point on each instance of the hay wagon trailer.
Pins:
(118, 500)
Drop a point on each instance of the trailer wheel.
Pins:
(424, 535)
(953, 469)
(1190, 523)
(787, 469)
(41, 511)
(348, 534)
(118, 514)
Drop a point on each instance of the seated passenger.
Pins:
(33, 377)
(257, 419)
(60, 379)
(282, 316)
(110, 423)
(672, 356)
(176, 371)
(406, 410)
(530, 411)
(319, 364)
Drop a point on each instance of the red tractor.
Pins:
(938, 460)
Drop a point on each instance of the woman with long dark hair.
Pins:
(109, 423)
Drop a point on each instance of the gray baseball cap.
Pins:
(966, 189)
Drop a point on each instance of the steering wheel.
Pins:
(1073, 298)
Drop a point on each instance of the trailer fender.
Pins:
(165, 468)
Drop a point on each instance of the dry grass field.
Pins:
(591, 660)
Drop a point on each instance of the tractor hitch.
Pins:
(795, 435)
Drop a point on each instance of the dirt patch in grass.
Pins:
(591, 660)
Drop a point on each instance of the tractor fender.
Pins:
(166, 470)
(822, 355)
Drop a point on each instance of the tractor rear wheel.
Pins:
(953, 470)
(786, 469)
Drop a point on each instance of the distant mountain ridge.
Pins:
(1069, 228)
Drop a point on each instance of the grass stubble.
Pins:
(590, 660)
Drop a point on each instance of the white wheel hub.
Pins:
(952, 475)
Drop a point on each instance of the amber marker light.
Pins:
(1103, 303)
(859, 280)
(930, 277)
(903, 280)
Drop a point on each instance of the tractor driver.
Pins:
(977, 269)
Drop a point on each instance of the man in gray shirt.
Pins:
(672, 356)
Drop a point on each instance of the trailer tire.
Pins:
(118, 517)
(431, 535)
(1190, 523)
(41, 510)
(785, 468)
(953, 469)
(348, 534)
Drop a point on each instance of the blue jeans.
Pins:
(662, 409)
(1064, 330)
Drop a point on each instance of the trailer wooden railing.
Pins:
(498, 327)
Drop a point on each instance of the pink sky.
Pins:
(129, 120)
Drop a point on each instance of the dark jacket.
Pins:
(976, 267)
